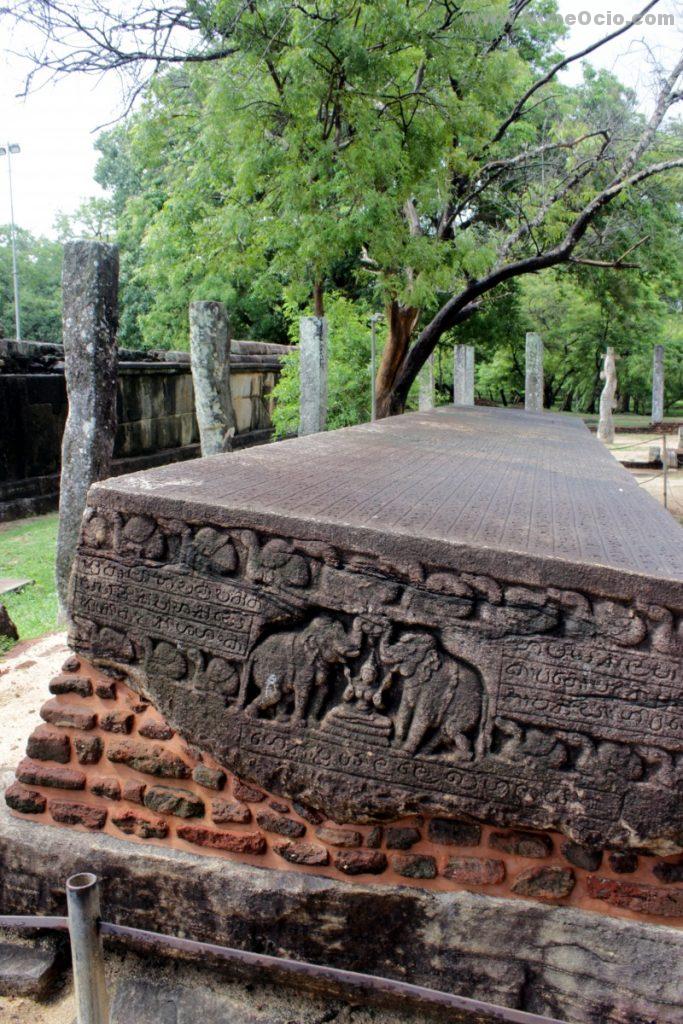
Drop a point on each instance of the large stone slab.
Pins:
(472, 612)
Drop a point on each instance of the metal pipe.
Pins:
(15, 271)
(22, 922)
(360, 984)
(365, 985)
(83, 905)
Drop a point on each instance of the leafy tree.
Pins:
(431, 145)
(39, 263)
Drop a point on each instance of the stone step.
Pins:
(27, 970)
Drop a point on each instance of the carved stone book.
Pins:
(472, 612)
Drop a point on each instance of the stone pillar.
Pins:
(463, 375)
(210, 360)
(680, 441)
(533, 388)
(426, 386)
(607, 398)
(658, 384)
(90, 291)
(312, 374)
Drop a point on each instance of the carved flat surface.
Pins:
(386, 653)
(497, 481)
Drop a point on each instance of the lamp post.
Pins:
(9, 152)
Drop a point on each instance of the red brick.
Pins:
(522, 844)
(28, 801)
(308, 813)
(544, 883)
(309, 854)
(450, 832)
(133, 791)
(277, 805)
(143, 757)
(233, 842)
(49, 744)
(281, 826)
(373, 839)
(210, 778)
(68, 716)
(230, 811)
(643, 899)
(67, 813)
(71, 684)
(50, 775)
(475, 870)
(414, 865)
(134, 824)
(402, 838)
(117, 721)
(360, 862)
(106, 690)
(250, 794)
(156, 730)
(88, 749)
(170, 800)
(344, 837)
(106, 786)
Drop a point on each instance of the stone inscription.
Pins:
(219, 617)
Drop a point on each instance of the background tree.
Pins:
(39, 262)
(428, 151)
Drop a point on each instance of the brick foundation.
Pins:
(106, 761)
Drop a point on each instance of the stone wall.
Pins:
(155, 406)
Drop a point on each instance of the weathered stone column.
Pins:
(463, 375)
(313, 374)
(658, 384)
(210, 355)
(533, 388)
(607, 398)
(426, 385)
(90, 292)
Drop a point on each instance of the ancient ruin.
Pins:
(419, 652)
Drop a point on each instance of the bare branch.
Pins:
(560, 65)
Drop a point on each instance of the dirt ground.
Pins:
(635, 448)
(24, 676)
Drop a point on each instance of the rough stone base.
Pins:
(556, 961)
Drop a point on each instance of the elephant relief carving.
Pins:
(441, 697)
(291, 670)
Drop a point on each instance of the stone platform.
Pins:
(472, 612)
(556, 961)
(403, 698)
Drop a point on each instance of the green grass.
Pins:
(27, 549)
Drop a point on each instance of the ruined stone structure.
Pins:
(418, 652)
(155, 412)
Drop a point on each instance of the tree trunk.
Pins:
(401, 321)
(318, 304)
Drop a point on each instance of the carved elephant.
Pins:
(441, 697)
(297, 665)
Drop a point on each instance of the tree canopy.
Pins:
(419, 156)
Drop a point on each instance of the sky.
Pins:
(56, 126)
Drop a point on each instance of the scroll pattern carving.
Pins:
(371, 688)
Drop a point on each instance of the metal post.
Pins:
(13, 148)
(373, 365)
(83, 904)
